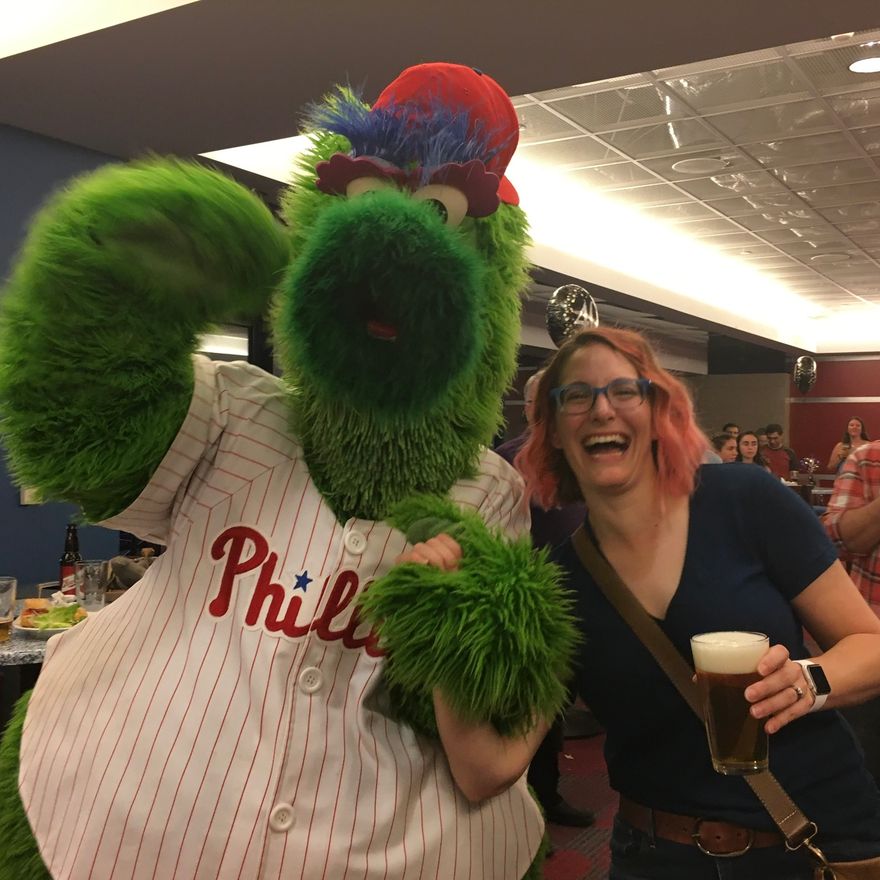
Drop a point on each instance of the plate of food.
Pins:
(40, 619)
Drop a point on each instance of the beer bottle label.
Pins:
(67, 584)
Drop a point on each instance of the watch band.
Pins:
(818, 699)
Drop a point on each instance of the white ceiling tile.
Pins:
(827, 173)
(679, 213)
(807, 249)
(725, 61)
(777, 261)
(868, 226)
(804, 233)
(655, 194)
(807, 150)
(738, 183)
(851, 213)
(868, 243)
(730, 240)
(781, 120)
(679, 137)
(755, 250)
(829, 70)
(709, 226)
(613, 176)
(841, 195)
(869, 138)
(734, 161)
(835, 41)
(571, 152)
(776, 218)
(857, 109)
(772, 202)
(621, 108)
(538, 124)
(581, 89)
(737, 87)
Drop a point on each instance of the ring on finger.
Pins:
(798, 692)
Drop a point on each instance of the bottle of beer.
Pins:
(68, 560)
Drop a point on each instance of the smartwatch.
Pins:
(817, 683)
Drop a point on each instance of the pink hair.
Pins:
(680, 443)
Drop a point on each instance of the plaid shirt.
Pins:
(857, 484)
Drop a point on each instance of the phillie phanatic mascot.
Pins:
(265, 702)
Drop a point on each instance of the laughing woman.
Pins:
(702, 548)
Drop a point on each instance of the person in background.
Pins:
(780, 459)
(749, 449)
(549, 528)
(731, 428)
(702, 548)
(852, 520)
(854, 436)
(725, 446)
(763, 443)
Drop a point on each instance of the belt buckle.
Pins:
(695, 834)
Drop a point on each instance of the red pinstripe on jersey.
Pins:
(176, 719)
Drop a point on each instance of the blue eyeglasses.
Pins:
(579, 397)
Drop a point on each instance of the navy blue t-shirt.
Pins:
(752, 546)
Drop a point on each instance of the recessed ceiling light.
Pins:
(829, 258)
(869, 60)
(700, 165)
(866, 65)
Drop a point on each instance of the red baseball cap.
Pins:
(471, 90)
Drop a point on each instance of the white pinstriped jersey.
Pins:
(218, 720)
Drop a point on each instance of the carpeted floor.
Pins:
(582, 853)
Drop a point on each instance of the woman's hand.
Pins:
(782, 694)
(441, 551)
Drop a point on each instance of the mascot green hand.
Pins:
(495, 635)
(228, 716)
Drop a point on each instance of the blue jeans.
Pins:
(633, 857)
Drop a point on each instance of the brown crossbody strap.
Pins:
(794, 825)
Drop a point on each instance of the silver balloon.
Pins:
(804, 373)
(571, 308)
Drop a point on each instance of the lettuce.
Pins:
(59, 617)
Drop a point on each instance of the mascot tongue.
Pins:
(381, 330)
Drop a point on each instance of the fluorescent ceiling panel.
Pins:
(272, 159)
(35, 23)
(590, 236)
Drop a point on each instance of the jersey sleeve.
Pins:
(497, 494)
(149, 515)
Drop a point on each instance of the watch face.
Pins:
(819, 680)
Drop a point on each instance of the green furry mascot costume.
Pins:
(260, 704)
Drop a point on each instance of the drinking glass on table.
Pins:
(7, 605)
(91, 579)
(726, 664)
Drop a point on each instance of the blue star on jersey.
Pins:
(302, 581)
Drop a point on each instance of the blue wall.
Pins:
(32, 538)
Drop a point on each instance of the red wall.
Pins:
(818, 419)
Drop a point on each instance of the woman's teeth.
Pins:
(606, 443)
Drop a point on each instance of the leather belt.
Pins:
(711, 836)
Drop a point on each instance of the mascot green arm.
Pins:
(496, 636)
(119, 274)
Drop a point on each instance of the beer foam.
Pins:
(728, 652)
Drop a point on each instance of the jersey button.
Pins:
(355, 543)
(281, 817)
(310, 680)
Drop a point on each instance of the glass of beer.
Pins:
(726, 664)
(7, 605)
